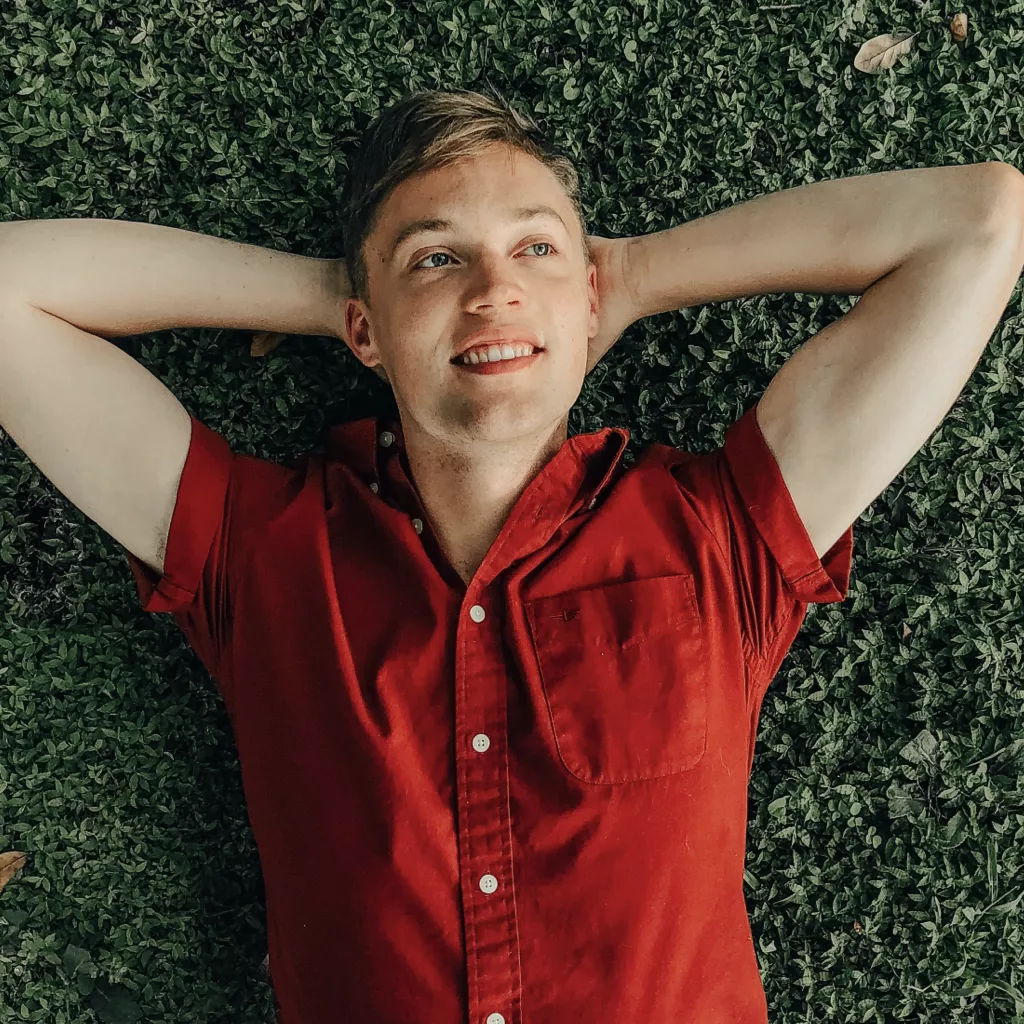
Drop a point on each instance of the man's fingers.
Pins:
(264, 342)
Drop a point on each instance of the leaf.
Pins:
(1012, 991)
(921, 748)
(16, 917)
(882, 52)
(114, 1005)
(10, 864)
(74, 957)
(902, 802)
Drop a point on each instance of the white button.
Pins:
(387, 438)
(477, 614)
(417, 525)
(488, 883)
(481, 742)
(495, 1018)
(373, 487)
(592, 503)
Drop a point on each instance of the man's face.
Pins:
(486, 270)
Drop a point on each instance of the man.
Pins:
(495, 695)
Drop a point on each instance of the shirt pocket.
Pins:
(623, 667)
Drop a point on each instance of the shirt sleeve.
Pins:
(741, 496)
(223, 499)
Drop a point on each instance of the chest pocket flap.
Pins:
(623, 671)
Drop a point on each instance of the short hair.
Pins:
(426, 130)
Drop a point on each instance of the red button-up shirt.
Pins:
(521, 801)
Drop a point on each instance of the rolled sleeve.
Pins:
(198, 517)
(766, 554)
(194, 585)
(766, 499)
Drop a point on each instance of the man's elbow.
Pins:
(1005, 199)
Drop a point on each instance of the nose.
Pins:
(497, 283)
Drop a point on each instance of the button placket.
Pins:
(494, 978)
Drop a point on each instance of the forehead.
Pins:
(494, 168)
(508, 182)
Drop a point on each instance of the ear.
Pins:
(594, 295)
(358, 337)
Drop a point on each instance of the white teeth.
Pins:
(495, 353)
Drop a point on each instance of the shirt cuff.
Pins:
(198, 514)
(770, 505)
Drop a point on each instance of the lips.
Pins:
(496, 336)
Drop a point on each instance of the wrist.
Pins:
(336, 289)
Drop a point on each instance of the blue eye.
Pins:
(429, 256)
(418, 265)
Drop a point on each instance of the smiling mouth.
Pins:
(496, 353)
(499, 367)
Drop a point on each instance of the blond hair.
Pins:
(427, 130)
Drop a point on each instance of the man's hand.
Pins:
(617, 304)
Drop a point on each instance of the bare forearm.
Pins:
(114, 278)
(835, 237)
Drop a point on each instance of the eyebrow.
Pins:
(425, 224)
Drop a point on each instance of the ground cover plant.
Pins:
(884, 878)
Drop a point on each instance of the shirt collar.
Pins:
(574, 480)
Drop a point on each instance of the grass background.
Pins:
(884, 872)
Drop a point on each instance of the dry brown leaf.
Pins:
(264, 342)
(10, 864)
(882, 52)
(958, 27)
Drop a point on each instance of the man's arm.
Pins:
(104, 430)
(122, 277)
(935, 254)
(835, 237)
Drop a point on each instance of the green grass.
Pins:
(884, 865)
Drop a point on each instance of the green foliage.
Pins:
(884, 873)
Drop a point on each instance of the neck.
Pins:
(468, 490)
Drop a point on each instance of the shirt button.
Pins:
(592, 503)
(495, 1018)
(488, 883)
(481, 743)
(477, 614)
(417, 525)
(387, 439)
(373, 487)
